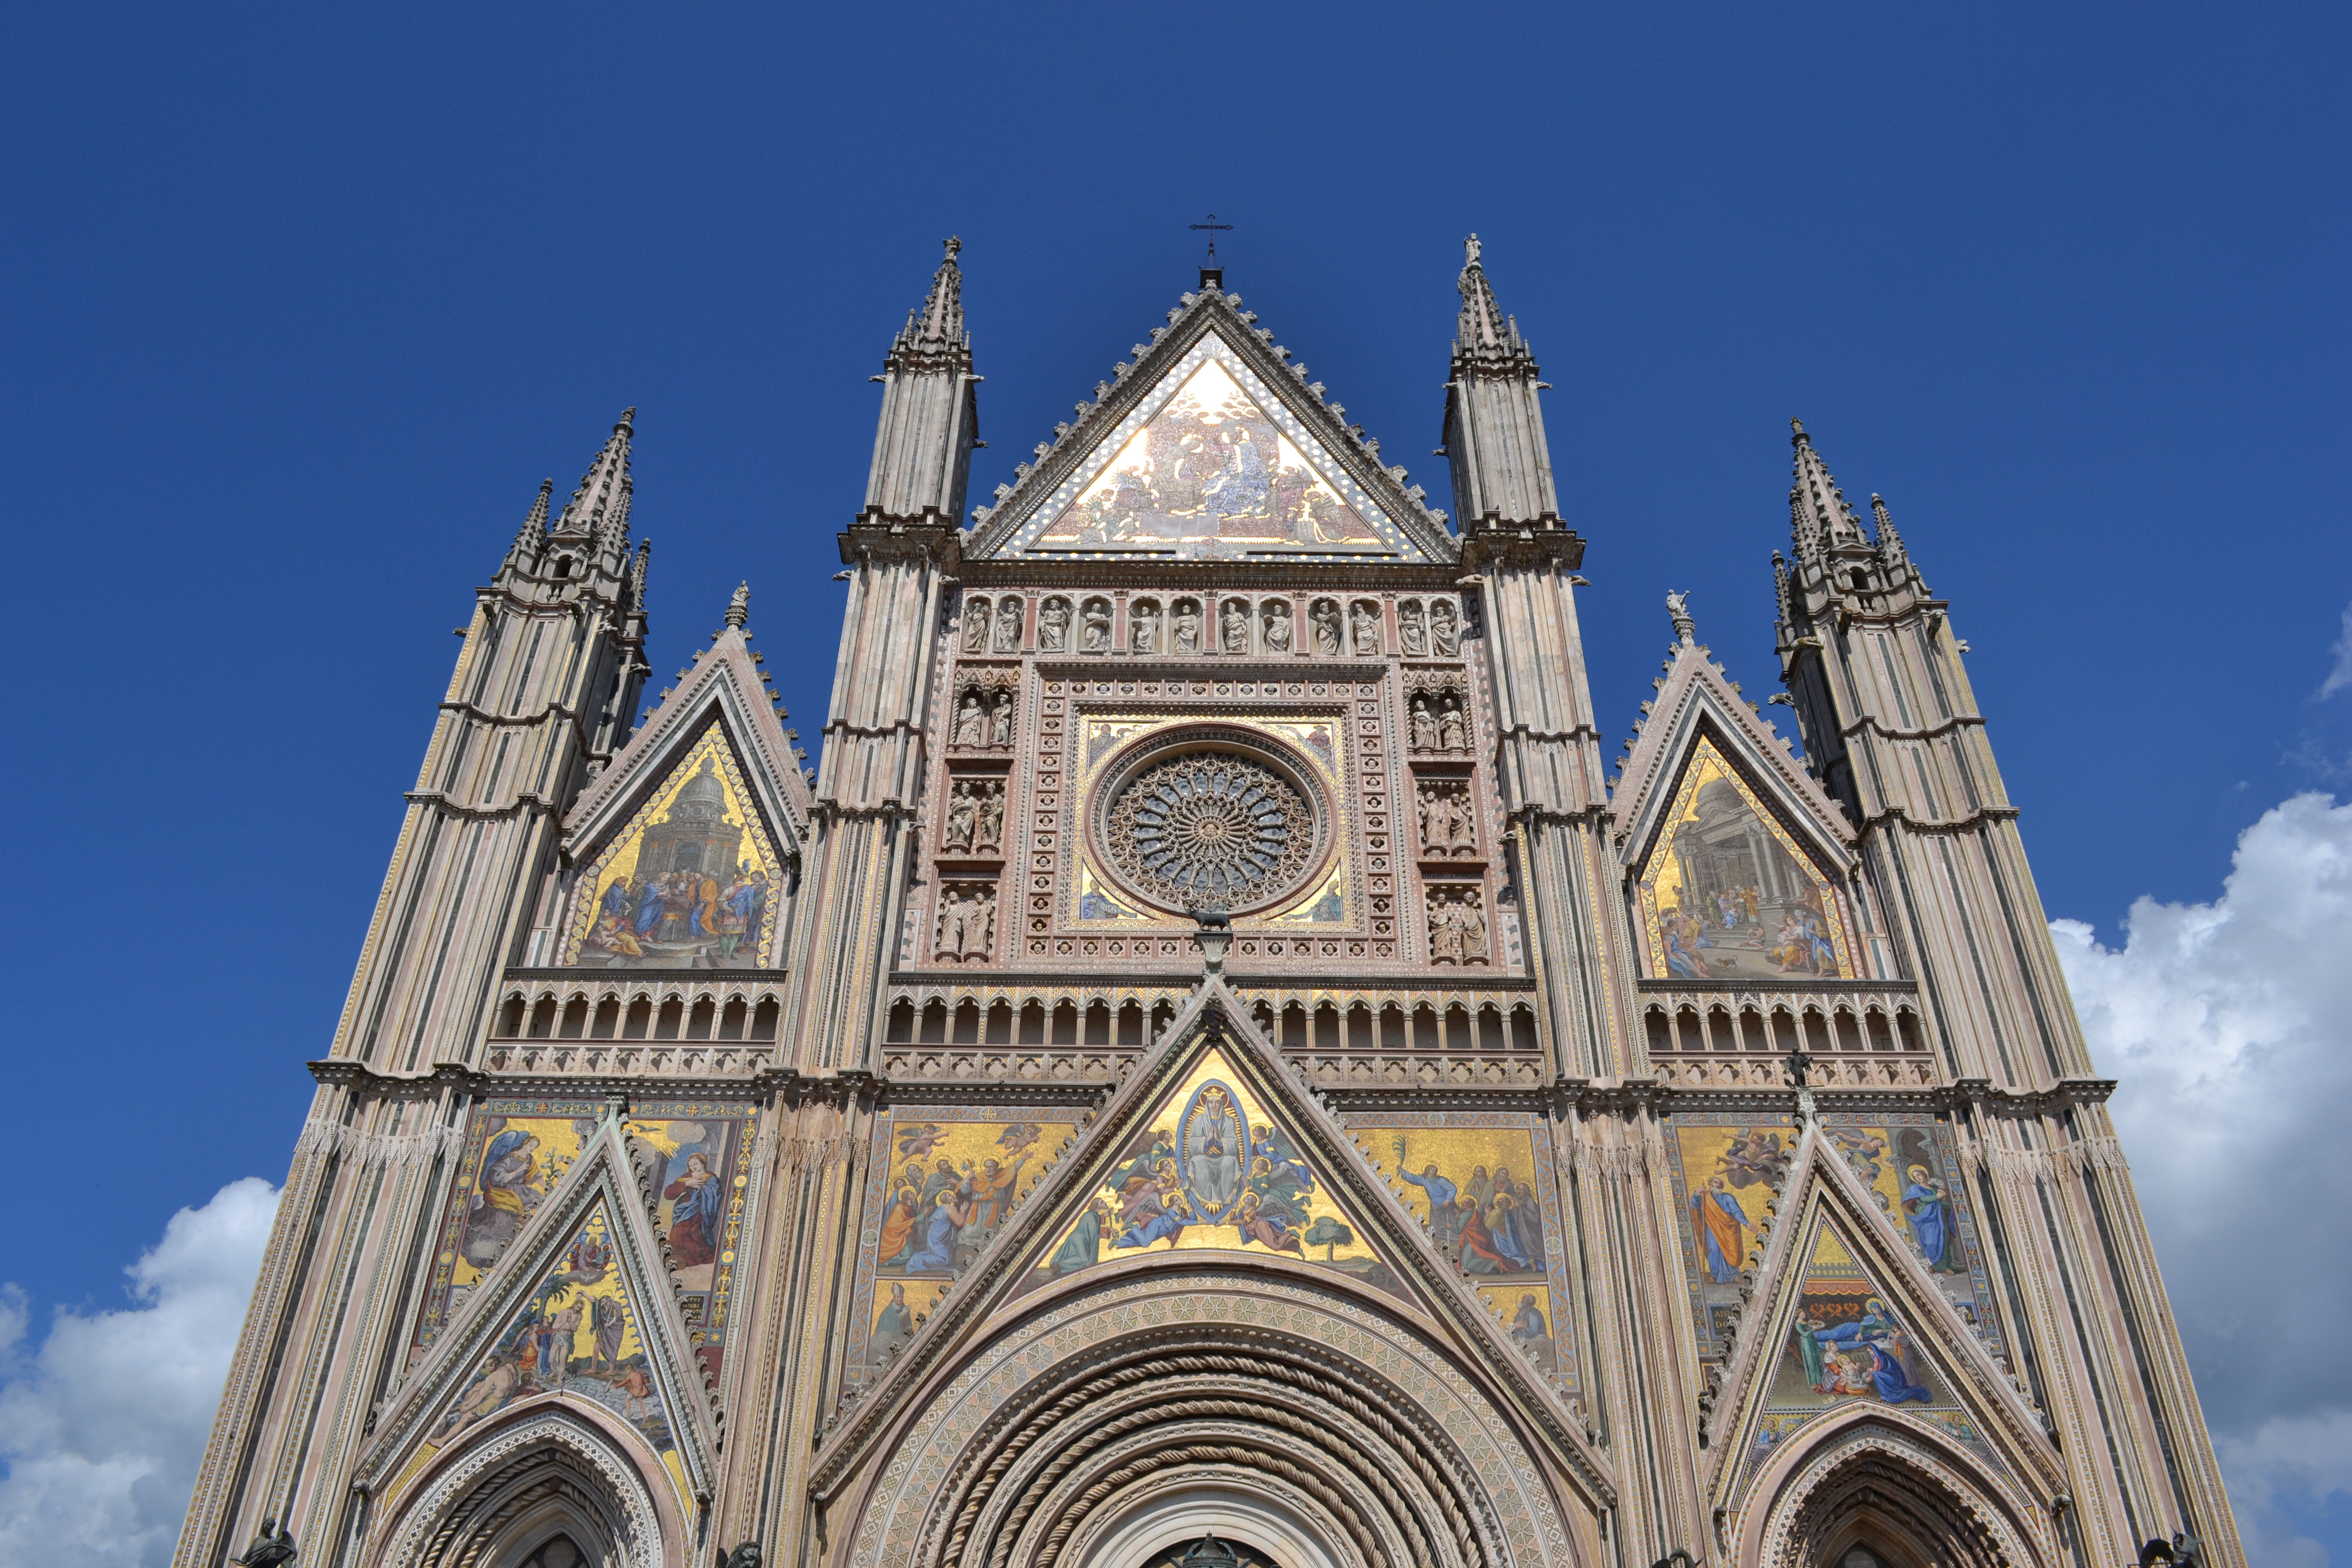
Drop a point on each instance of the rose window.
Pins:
(1210, 829)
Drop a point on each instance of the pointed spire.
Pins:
(1817, 508)
(1484, 339)
(1495, 440)
(1890, 543)
(935, 332)
(534, 527)
(601, 487)
(739, 608)
(638, 574)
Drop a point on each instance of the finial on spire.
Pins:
(603, 483)
(739, 608)
(1798, 437)
(935, 328)
(1484, 333)
(534, 527)
(1678, 606)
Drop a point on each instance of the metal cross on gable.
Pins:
(1214, 228)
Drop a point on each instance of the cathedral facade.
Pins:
(1214, 1066)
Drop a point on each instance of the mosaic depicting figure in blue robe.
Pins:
(1876, 1331)
(1929, 1210)
(939, 1233)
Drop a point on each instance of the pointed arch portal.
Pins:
(1121, 1418)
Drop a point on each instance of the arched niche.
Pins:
(554, 1469)
(1310, 1425)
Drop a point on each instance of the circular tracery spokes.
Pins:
(1210, 826)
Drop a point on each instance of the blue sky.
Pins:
(304, 301)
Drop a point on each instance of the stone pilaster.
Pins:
(551, 664)
(1892, 729)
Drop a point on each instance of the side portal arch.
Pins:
(1871, 1490)
(553, 1470)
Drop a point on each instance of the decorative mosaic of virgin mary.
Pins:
(1215, 1151)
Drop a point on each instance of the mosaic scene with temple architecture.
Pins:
(1216, 1064)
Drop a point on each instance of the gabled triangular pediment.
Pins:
(683, 845)
(1211, 448)
(724, 687)
(1213, 1153)
(1741, 866)
(1845, 1320)
(580, 1311)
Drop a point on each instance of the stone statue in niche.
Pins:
(1143, 626)
(999, 720)
(1421, 729)
(962, 816)
(971, 719)
(1325, 617)
(1453, 726)
(1054, 626)
(1184, 626)
(1446, 824)
(980, 928)
(1094, 622)
(1277, 626)
(1413, 628)
(1365, 620)
(1457, 926)
(988, 827)
(967, 923)
(975, 626)
(1008, 625)
(947, 935)
(1235, 614)
(1445, 628)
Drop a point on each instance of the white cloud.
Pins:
(103, 1427)
(2229, 1027)
(2341, 675)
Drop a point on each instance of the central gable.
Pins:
(1202, 455)
(1214, 1167)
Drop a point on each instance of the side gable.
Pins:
(1135, 475)
(1349, 1222)
(1845, 1323)
(580, 1311)
(1704, 763)
(725, 685)
(711, 751)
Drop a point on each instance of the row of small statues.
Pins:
(997, 627)
(984, 718)
(967, 925)
(975, 816)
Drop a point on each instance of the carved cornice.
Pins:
(2056, 1099)
(929, 537)
(1539, 541)
(1897, 816)
(1169, 575)
(1183, 975)
(524, 806)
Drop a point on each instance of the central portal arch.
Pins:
(1114, 1423)
(1268, 1526)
